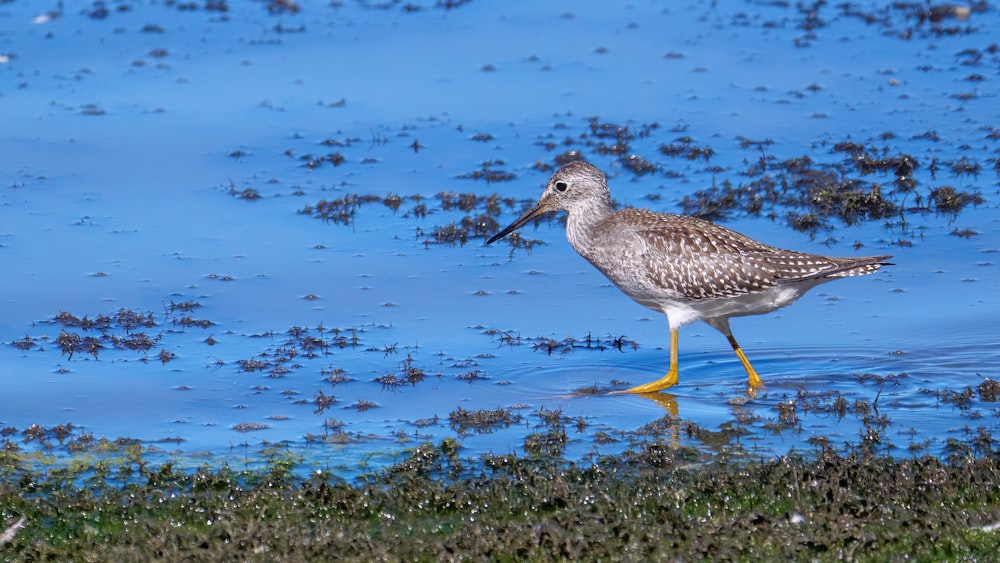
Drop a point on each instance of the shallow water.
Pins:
(127, 136)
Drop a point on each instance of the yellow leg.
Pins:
(666, 380)
(753, 380)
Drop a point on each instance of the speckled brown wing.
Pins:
(701, 260)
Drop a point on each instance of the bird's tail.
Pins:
(859, 266)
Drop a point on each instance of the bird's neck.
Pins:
(580, 222)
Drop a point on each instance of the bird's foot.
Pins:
(668, 380)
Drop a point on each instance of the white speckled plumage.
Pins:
(685, 267)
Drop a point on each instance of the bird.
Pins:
(685, 267)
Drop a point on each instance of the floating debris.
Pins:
(947, 199)
(482, 421)
(488, 171)
(362, 405)
(249, 427)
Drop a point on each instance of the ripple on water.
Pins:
(838, 393)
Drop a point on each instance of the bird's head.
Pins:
(573, 187)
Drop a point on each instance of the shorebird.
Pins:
(687, 268)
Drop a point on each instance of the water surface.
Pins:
(171, 162)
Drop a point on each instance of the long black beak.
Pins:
(536, 211)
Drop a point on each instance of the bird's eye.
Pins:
(561, 186)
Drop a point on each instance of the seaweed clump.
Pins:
(119, 330)
(811, 196)
(650, 503)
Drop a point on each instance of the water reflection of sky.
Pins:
(130, 209)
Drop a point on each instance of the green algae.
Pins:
(654, 502)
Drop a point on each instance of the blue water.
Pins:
(131, 209)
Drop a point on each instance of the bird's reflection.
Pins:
(665, 400)
(728, 434)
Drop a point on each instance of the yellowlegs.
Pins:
(686, 268)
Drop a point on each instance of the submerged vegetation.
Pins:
(66, 495)
(842, 182)
(653, 502)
